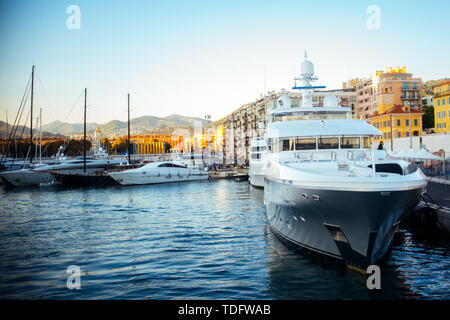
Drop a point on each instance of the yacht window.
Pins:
(328, 143)
(350, 143)
(287, 144)
(365, 141)
(170, 165)
(256, 149)
(305, 144)
(275, 145)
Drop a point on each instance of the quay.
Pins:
(431, 217)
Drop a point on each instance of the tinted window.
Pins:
(287, 144)
(365, 142)
(350, 143)
(305, 144)
(328, 143)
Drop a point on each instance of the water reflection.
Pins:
(206, 240)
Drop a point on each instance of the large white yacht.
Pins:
(326, 189)
(258, 157)
(159, 172)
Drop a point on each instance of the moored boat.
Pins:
(257, 171)
(159, 172)
(326, 188)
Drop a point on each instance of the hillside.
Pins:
(26, 131)
(139, 125)
(427, 87)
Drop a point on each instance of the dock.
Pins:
(432, 214)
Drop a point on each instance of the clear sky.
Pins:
(204, 57)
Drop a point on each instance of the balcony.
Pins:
(411, 98)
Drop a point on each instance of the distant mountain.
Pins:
(68, 129)
(139, 125)
(4, 133)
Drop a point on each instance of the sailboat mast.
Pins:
(84, 138)
(7, 129)
(40, 135)
(128, 142)
(31, 118)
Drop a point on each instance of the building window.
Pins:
(399, 123)
(405, 85)
(407, 134)
(399, 134)
(438, 114)
(415, 123)
(438, 102)
(407, 122)
(448, 100)
(443, 101)
(438, 125)
(415, 85)
(444, 125)
(443, 114)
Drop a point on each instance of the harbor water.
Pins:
(196, 240)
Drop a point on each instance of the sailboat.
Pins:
(93, 170)
(21, 173)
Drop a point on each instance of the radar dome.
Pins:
(307, 68)
(330, 100)
(284, 101)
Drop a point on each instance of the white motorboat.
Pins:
(326, 188)
(258, 157)
(159, 172)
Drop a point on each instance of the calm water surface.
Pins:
(198, 240)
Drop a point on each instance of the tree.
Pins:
(106, 145)
(428, 117)
(167, 147)
(75, 147)
(119, 145)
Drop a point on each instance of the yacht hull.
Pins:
(354, 226)
(125, 178)
(84, 180)
(256, 180)
(26, 178)
(256, 174)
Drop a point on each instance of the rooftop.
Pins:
(397, 109)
